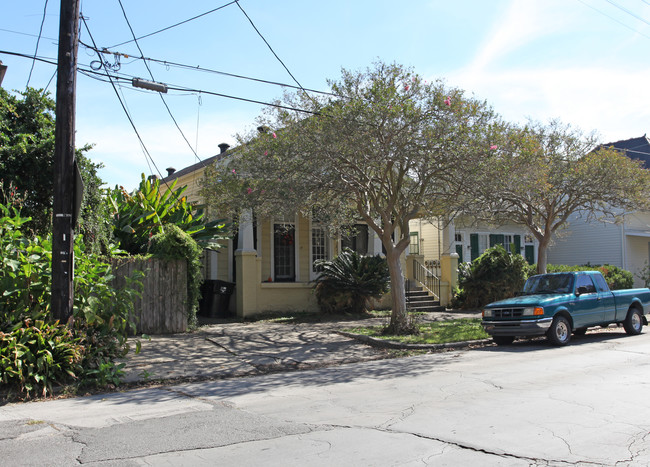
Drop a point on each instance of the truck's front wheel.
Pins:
(633, 322)
(560, 331)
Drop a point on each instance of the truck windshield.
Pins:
(549, 283)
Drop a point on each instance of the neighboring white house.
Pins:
(626, 245)
(434, 239)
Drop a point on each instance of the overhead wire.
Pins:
(273, 51)
(614, 19)
(209, 70)
(629, 12)
(160, 94)
(174, 25)
(38, 41)
(148, 156)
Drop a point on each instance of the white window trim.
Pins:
(330, 244)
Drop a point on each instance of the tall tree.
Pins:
(26, 157)
(542, 174)
(385, 147)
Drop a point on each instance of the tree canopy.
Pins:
(27, 124)
(541, 174)
(385, 147)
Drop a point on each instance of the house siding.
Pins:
(585, 242)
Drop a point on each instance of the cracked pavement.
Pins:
(528, 404)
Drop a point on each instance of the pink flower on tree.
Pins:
(249, 190)
(448, 101)
(274, 135)
(266, 153)
(234, 171)
(407, 87)
(494, 147)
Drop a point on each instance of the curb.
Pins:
(387, 344)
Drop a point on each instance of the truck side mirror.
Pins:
(581, 290)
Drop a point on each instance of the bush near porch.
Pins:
(497, 275)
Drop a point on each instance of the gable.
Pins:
(634, 148)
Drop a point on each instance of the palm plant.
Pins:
(348, 282)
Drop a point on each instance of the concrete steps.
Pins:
(420, 300)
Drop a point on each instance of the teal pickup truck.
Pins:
(559, 304)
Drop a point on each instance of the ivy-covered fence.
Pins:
(163, 307)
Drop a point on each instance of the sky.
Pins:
(584, 62)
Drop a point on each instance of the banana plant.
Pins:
(140, 215)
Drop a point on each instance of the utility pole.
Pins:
(64, 163)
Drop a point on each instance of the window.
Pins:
(482, 244)
(508, 244)
(458, 237)
(602, 285)
(414, 245)
(319, 248)
(357, 240)
(586, 282)
(284, 252)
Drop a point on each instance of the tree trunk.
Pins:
(541, 256)
(398, 319)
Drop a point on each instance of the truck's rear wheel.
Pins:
(560, 331)
(633, 322)
(503, 340)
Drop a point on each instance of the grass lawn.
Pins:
(439, 332)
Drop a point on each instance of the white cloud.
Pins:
(521, 24)
(603, 99)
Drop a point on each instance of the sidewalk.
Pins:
(232, 349)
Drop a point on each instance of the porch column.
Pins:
(448, 263)
(448, 277)
(447, 243)
(247, 281)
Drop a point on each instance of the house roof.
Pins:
(194, 167)
(634, 148)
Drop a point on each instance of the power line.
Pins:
(56, 41)
(209, 70)
(614, 19)
(174, 25)
(271, 48)
(38, 41)
(98, 75)
(634, 15)
(128, 116)
(160, 94)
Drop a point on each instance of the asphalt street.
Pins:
(525, 404)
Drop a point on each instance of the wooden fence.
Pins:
(162, 308)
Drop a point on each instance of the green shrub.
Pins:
(38, 355)
(495, 275)
(174, 243)
(617, 278)
(102, 317)
(348, 282)
(138, 216)
(35, 352)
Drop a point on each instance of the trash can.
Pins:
(206, 303)
(215, 299)
(222, 292)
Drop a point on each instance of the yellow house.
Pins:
(271, 261)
